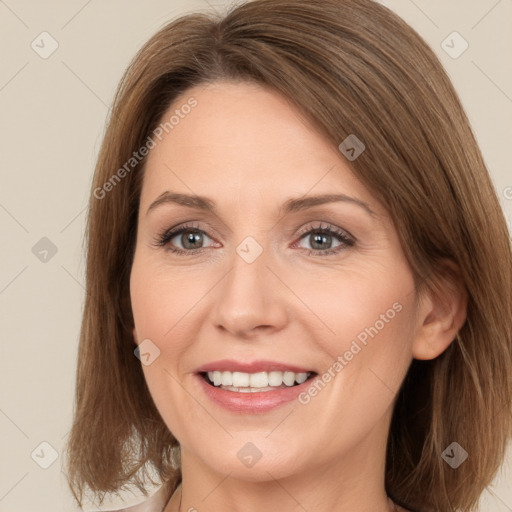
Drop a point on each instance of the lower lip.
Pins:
(250, 403)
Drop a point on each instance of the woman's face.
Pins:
(261, 285)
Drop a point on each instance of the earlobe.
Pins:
(442, 312)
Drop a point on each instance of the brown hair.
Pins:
(351, 67)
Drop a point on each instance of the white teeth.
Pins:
(275, 378)
(257, 380)
(241, 379)
(289, 378)
(301, 377)
(217, 378)
(227, 379)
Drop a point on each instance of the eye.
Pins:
(321, 239)
(191, 238)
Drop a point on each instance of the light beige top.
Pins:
(156, 503)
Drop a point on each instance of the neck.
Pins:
(176, 504)
(352, 482)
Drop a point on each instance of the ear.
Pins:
(442, 312)
(135, 337)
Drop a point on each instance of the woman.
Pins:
(299, 278)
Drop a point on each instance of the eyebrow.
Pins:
(289, 206)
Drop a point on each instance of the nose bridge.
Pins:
(250, 295)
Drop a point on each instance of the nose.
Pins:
(251, 299)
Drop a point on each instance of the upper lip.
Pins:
(227, 365)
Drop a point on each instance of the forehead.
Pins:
(246, 140)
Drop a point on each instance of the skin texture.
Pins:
(249, 150)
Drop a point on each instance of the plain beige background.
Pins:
(53, 112)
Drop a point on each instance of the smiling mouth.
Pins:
(255, 382)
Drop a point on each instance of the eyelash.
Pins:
(347, 240)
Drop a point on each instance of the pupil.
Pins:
(191, 238)
(318, 238)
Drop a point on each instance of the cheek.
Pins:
(368, 359)
(367, 330)
(363, 304)
(162, 305)
(162, 300)
(172, 404)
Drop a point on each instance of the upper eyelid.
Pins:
(171, 233)
(309, 226)
(321, 227)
